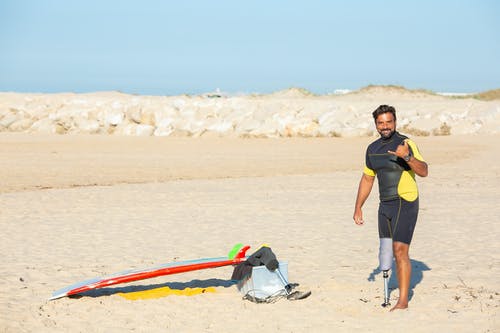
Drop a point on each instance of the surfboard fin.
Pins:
(234, 250)
(238, 251)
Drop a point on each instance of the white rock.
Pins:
(269, 129)
(327, 117)
(188, 127)
(21, 125)
(135, 130)
(164, 112)
(4, 111)
(306, 129)
(9, 119)
(179, 103)
(221, 127)
(134, 113)
(45, 126)
(247, 125)
(83, 125)
(113, 118)
(144, 130)
(163, 131)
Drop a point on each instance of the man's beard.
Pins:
(386, 134)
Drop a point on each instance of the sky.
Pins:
(166, 47)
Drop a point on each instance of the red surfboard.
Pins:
(237, 255)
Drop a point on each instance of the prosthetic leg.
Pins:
(295, 295)
(385, 257)
(286, 285)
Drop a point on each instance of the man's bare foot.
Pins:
(399, 306)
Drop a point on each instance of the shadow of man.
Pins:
(417, 275)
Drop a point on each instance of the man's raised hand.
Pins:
(402, 150)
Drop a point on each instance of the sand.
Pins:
(76, 207)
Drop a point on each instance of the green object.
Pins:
(234, 251)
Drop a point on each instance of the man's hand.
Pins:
(358, 217)
(419, 167)
(402, 151)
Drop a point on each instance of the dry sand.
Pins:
(76, 207)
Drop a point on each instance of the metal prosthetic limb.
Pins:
(386, 289)
(295, 295)
(287, 286)
(385, 259)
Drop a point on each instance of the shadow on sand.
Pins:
(417, 275)
(172, 285)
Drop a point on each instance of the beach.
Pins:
(81, 205)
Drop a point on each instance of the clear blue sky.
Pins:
(187, 46)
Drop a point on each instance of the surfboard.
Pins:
(236, 255)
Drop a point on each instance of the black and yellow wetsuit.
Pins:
(398, 190)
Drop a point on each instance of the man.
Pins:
(395, 160)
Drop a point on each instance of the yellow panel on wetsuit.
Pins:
(369, 172)
(407, 186)
(414, 150)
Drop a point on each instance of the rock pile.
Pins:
(289, 113)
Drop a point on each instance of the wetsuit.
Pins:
(398, 209)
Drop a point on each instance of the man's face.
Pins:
(385, 124)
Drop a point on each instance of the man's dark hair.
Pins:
(384, 109)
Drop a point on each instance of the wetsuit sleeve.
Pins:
(368, 170)
(414, 150)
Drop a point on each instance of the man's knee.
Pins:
(400, 250)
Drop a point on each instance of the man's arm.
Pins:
(364, 189)
(419, 167)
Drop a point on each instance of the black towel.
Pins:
(262, 257)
